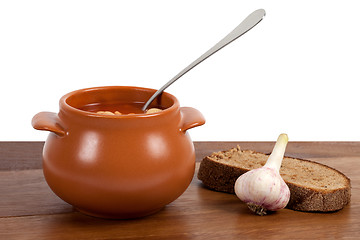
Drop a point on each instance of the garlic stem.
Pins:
(277, 155)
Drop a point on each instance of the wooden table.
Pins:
(29, 210)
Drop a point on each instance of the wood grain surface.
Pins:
(29, 209)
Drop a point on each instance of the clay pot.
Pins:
(114, 166)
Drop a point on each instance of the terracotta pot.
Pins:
(114, 166)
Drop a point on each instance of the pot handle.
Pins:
(48, 121)
(191, 117)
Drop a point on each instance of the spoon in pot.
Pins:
(248, 23)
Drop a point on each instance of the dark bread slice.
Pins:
(313, 186)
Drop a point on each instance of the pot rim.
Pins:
(65, 106)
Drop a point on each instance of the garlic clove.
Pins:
(263, 189)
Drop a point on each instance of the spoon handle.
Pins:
(248, 23)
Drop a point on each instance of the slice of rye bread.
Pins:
(314, 187)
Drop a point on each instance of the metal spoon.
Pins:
(247, 24)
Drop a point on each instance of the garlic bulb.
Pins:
(263, 189)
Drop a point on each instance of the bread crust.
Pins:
(221, 177)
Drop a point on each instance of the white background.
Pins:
(296, 72)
